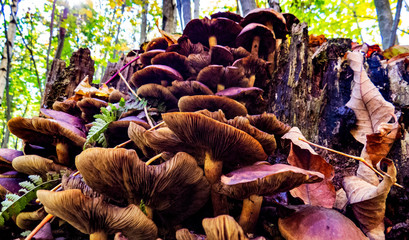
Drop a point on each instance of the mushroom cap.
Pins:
(10, 181)
(225, 31)
(29, 220)
(220, 55)
(239, 52)
(252, 65)
(146, 57)
(157, 43)
(185, 47)
(189, 88)
(158, 93)
(41, 131)
(251, 97)
(198, 61)
(155, 74)
(229, 106)
(64, 117)
(217, 115)
(36, 165)
(67, 106)
(290, 19)
(6, 158)
(263, 179)
(90, 215)
(267, 39)
(223, 227)
(211, 76)
(117, 131)
(116, 95)
(89, 107)
(268, 123)
(174, 60)
(312, 222)
(264, 15)
(229, 15)
(175, 189)
(185, 234)
(136, 134)
(221, 141)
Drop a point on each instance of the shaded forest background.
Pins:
(47, 30)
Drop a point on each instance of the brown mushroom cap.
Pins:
(36, 165)
(267, 41)
(67, 106)
(220, 55)
(185, 47)
(264, 179)
(91, 215)
(217, 115)
(189, 88)
(175, 189)
(116, 95)
(10, 181)
(198, 61)
(268, 123)
(146, 57)
(312, 222)
(174, 60)
(90, 107)
(223, 227)
(64, 117)
(253, 66)
(155, 74)
(159, 94)
(6, 158)
(229, 15)
(211, 76)
(265, 15)
(239, 52)
(229, 106)
(221, 141)
(251, 98)
(225, 31)
(290, 19)
(157, 43)
(136, 134)
(185, 234)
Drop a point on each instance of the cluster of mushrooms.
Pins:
(205, 158)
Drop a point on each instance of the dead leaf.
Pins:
(303, 156)
(170, 38)
(369, 201)
(369, 106)
(395, 50)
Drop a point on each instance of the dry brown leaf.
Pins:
(170, 38)
(369, 201)
(369, 106)
(303, 156)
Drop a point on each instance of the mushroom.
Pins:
(9, 181)
(210, 32)
(220, 55)
(229, 15)
(175, 189)
(68, 106)
(257, 39)
(229, 106)
(136, 134)
(251, 183)
(251, 98)
(223, 227)
(146, 57)
(185, 47)
(116, 95)
(198, 61)
(272, 19)
(223, 146)
(64, 117)
(176, 61)
(159, 74)
(268, 123)
(189, 88)
(156, 94)
(255, 69)
(89, 107)
(40, 131)
(217, 77)
(29, 220)
(6, 158)
(36, 165)
(157, 43)
(95, 217)
(117, 131)
(290, 19)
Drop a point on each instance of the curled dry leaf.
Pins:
(303, 156)
(369, 106)
(369, 201)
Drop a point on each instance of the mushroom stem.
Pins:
(255, 46)
(220, 87)
(252, 79)
(250, 212)
(149, 212)
(153, 159)
(39, 226)
(212, 41)
(213, 172)
(63, 153)
(98, 236)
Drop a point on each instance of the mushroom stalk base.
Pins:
(63, 153)
(252, 79)
(250, 212)
(213, 172)
(98, 236)
(255, 46)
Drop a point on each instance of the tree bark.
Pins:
(144, 24)
(169, 13)
(184, 12)
(51, 38)
(246, 6)
(196, 11)
(274, 4)
(385, 21)
(8, 47)
(119, 28)
(61, 37)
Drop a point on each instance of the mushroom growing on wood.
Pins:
(157, 43)
(176, 61)
(36, 165)
(146, 57)
(189, 88)
(251, 98)
(159, 74)
(229, 15)
(95, 217)
(89, 107)
(257, 39)
(156, 94)
(251, 183)
(6, 158)
(255, 69)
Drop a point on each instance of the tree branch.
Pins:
(51, 38)
(395, 23)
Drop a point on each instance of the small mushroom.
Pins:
(255, 69)
(95, 217)
(6, 158)
(185, 47)
(251, 97)
(220, 55)
(268, 123)
(217, 77)
(176, 61)
(189, 88)
(159, 74)
(223, 227)
(156, 94)
(157, 43)
(68, 106)
(146, 57)
(89, 107)
(272, 19)
(117, 131)
(257, 39)
(36, 165)
(229, 15)
(229, 106)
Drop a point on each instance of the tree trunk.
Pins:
(385, 21)
(184, 12)
(61, 37)
(196, 11)
(246, 6)
(169, 12)
(8, 47)
(274, 4)
(144, 24)
(119, 28)
(51, 37)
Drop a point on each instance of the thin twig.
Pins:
(128, 141)
(350, 156)
(153, 159)
(39, 226)
(122, 68)
(59, 185)
(122, 144)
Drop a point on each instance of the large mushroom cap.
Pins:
(157, 43)
(156, 94)
(264, 179)
(91, 215)
(189, 88)
(229, 106)
(269, 17)
(221, 141)
(312, 222)
(64, 117)
(6, 158)
(174, 60)
(229, 15)
(267, 40)
(33, 165)
(175, 189)
(225, 31)
(159, 74)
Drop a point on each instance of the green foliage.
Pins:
(14, 204)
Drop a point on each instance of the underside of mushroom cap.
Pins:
(159, 74)
(189, 88)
